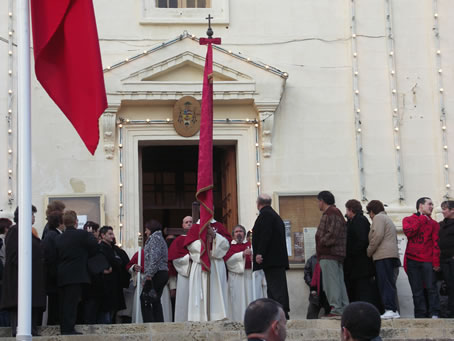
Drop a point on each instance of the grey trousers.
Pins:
(334, 285)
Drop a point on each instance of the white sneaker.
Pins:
(389, 314)
(434, 316)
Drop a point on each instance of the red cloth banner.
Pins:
(68, 62)
(205, 167)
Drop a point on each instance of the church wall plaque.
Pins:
(186, 116)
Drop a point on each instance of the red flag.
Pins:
(205, 167)
(68, 62)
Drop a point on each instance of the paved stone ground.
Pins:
(225, 330)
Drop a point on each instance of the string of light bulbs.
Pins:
(441, 98)
(122, 122)
(394, 99)
(356, 103)
(10, 106)
(185, 35)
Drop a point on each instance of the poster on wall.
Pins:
(288, 237)
(81, 220)
(309, 242)
(298, 246)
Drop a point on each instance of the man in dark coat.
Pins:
(112, 297)
(446, 244)
(73, 249)
(270, 251)
(54, 228)
(359, 269)
(10, 276)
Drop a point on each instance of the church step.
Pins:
(225, 330)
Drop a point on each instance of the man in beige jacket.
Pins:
(383, 250)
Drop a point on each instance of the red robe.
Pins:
(193, 235)
(235, 248)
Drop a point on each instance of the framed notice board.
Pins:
(300, 213)
(87, 206)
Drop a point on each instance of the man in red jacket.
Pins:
(422, 257)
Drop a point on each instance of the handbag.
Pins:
(149, 294)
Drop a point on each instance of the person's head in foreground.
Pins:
(264, 319)
(360, 322)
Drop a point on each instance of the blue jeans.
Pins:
(420, 276)
(386, 280)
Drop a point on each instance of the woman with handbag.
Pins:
(156, 273)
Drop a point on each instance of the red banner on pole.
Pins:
(205, 167)
(68, 62)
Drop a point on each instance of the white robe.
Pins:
(240, 286)
(197, 305)
(166, 304)
(183, 267)
(260, 285)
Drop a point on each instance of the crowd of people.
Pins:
(359, 261)
(82, 276)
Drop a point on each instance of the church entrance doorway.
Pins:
(169, 183)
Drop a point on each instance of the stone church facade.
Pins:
(350, 96)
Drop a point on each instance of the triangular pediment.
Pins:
(187, 71)
(174, 69)
(186, 67)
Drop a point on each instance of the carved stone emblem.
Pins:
(186, 116)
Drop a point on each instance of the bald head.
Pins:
(187, 222)
(263, 200)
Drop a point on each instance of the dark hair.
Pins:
(449, 204)
(240, 226)
(55, 205)
(375, 206)
(94, 226)
(153, 225)
(55, 219)
(104, 229)
(70, 218)
(362, 320)
(5, 223)
(260, 314)
(327, 197)
(354, 205)
(16, 213)
(421, 201)
(264, 200)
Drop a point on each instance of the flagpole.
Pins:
(24, 173)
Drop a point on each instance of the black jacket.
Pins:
(73, 249)
(112, 297)
(446, 239)
(50, 260)
(268, 240)
(356, 264)
(10, 278)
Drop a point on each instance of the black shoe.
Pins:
(72, 332)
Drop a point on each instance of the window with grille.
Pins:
(182, 12)
(183, 3)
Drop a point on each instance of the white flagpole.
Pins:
(24, 172)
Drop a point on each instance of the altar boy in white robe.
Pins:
(207, 249)
(238, 261)
(180, 260)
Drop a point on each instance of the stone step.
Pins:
(225, 330)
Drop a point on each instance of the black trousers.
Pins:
(155, 314)
(366, 290)
(447, 267)
(276, 280)
(52, 309)
(69, 297)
